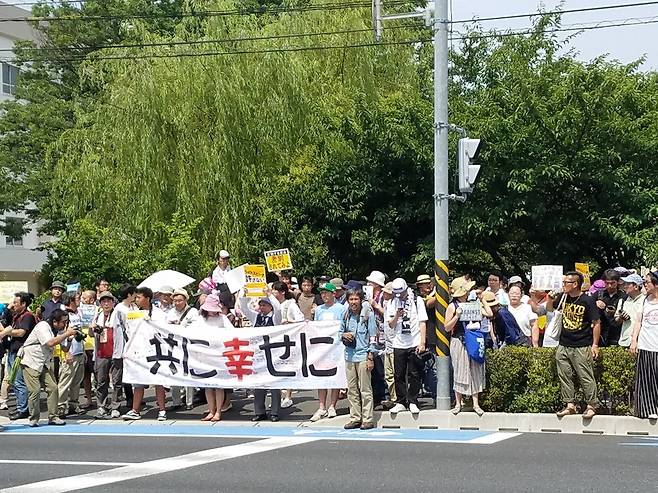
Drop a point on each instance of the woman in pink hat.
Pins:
(212, 314)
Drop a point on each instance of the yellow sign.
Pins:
(256, 282)
(136, 315)
(584, 270)
(278, 260)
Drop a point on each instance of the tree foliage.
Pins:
(328, 152)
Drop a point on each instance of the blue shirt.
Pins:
(365, 333)
(334, 312)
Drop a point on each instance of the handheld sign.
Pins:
(547, 277)
(278, 260)
(584, 270)
(471, 311)
(256, 282)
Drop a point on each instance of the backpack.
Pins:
(514, 336)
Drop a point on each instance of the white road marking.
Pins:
(65, 462)
(158, 466)
(494, 438)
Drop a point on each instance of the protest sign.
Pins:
(583, 268)
(305, 355)
(236, 279)
(278, 260)
(368, 292)
(255, 280)
(471, 311)
(547, 277)
(9, 288)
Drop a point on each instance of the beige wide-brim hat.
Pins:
(461, 287)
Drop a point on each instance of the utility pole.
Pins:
(436, 16)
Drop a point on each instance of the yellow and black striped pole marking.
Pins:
(442, 299)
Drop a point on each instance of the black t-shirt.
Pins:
(610, 328)
(25, 321)
(578, 315)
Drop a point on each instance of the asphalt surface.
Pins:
(527, 462)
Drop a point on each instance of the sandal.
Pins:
(566, 411)
(457, 409)
(208, 417)
(216, 418)
(589, 413)
(479, 411)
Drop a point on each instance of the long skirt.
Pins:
(468, 376)
(646, 384)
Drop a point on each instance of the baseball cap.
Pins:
(181, 292)
(327, 286)
(105, 294)
(58, 284)
(634, 279)
(515, 279)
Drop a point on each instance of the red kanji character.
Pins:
(237, 358)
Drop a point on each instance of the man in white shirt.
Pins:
(37, 364)
(223, 266)
(182, 314)
(407, 315)
(495, 285)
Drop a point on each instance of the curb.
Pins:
(442, 420)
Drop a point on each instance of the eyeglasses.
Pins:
(568, 282)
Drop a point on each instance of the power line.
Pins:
(462, 36)
(554, 12)
(208, 41)
(203, 13)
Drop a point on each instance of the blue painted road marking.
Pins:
(320, 433)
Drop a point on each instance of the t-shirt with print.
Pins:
(407, 330)
(333, 312)
(578, 314)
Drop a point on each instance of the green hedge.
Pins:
(524, 380)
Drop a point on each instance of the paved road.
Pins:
(197, 458)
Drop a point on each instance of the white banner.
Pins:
(306, 355)
(547, 277)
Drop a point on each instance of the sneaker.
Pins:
(3, 406)
(398, 408)
(286, 403)
(34, 424)
(319, 414)
(413, 408)
(115, 414)
(56, 422)
(652, 416)
(189, 407)
(352, 425)
(102, 413)
(331, 412)
(162, 415)
(131, 415)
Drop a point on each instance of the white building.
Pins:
(20, 262)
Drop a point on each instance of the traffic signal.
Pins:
(467, 151)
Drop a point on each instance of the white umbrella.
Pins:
(171, 278)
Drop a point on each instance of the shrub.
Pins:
(524, 380)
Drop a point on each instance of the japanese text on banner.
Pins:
(278, 260)
(306, 355)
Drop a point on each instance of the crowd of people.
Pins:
(72, 345)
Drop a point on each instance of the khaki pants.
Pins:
(33, 382)
(359, 392)
(389, 376)
(576, 361)
(70, 380)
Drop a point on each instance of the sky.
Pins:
(626, 44)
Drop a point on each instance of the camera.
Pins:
(79, 335)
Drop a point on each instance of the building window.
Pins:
(13, 231)
(9, 78)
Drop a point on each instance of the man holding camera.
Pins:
(606, 301)
(406, 314)
(72, 369)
